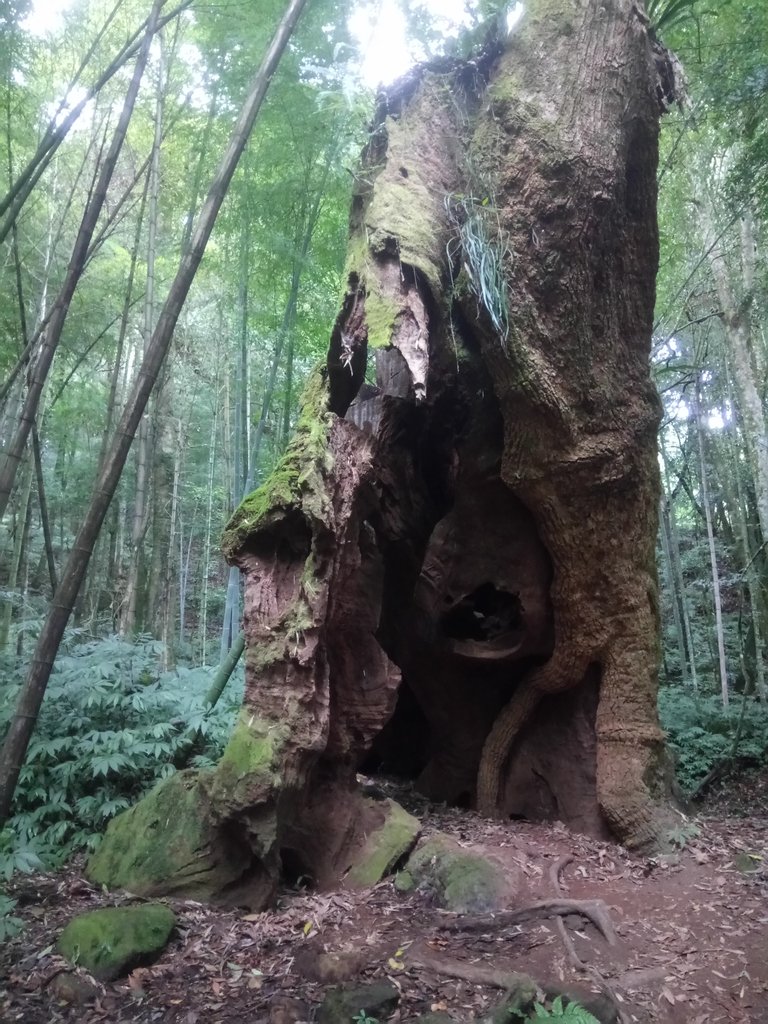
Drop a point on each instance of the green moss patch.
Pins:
(381, 314)
(110, 943)
(247, 773)
(167, 844)
(460, 881)
(384, 846)
(296, 480)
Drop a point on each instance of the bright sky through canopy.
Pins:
(380, 30)
(379, 27)
(46, 16)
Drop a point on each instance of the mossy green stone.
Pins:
(385, 846)
(460, 881)
(166, 844)
(111, 942)
(344, 1004)
(404, 881)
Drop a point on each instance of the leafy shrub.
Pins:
(10, 925)
(558, 1009)
(110, 727)
(702, 732)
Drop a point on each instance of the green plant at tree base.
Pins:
(363, 1018)
(482, 248)
(558, 1010)
(680, 835)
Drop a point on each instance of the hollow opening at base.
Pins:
(294, 871)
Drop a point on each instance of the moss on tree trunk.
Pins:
(451, 573)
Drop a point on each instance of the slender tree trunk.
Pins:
(22, 517)
(23, 586)
(289, 314)
(36, 453)
(241, 437)
(33, 691)
(720, 637)
(45, 521)
(117, 368)
(185, 561)
(141, 511)
(206, 560)
(168, 604)
(675, 597)
(13, 454)
(58, 128)
(288, 400)
(756, 593)
(198, 179)
(737, 318)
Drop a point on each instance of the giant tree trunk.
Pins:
(451, 573)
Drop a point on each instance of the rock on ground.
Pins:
(111, 942)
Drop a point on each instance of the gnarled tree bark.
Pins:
(451, 573)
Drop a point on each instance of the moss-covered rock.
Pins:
(343, 1004)
(384, 846)
(111, 942)
(459, 880)
(519, 1000)
(167, 844)
(76, 989)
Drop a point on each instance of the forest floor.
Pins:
(692, 934)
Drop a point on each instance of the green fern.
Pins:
(9, 924)
(110, 728)
(571, 1012)
(702, 732)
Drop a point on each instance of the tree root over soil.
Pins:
(476, 974)
(575, 960)
(520, 990)
(594, 911)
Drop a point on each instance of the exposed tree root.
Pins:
(560, 673)
(478, 974)
(520, 989)
(594, 911)
(573, 957)
(495, 755)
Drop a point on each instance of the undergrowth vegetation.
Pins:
(704, 735)
(111, 726)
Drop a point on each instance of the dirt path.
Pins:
(692, 938)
